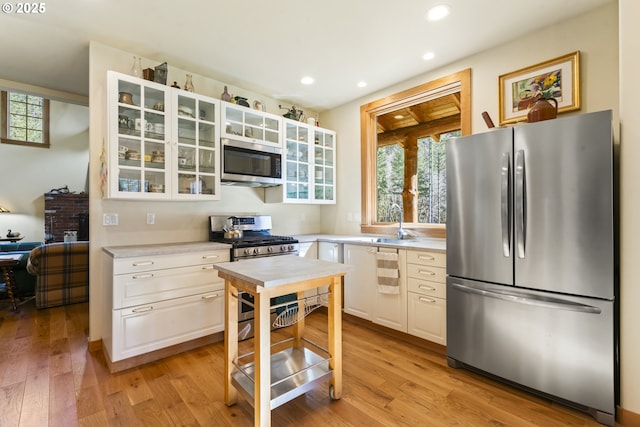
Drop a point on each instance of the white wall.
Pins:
(629, 205)
(29, 172)
(174, 221)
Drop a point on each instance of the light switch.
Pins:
(151, 218)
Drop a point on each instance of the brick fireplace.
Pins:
(66, 212)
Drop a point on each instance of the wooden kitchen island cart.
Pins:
(277, 375)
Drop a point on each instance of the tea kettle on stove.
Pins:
(231, 230)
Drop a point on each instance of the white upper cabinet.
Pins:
(196, 139)
(308, 165)
(163, 143)
(251, 126)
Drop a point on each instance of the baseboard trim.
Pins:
(94, 346)
(152, 356)
(627, 418)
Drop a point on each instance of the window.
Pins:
(25, 119)
(431, 196)
(404, 163)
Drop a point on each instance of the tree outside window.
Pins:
(431, 180)
(25, 119)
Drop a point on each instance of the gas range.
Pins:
(257, 240)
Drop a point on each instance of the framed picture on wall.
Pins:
(557, 78)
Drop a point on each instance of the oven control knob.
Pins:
(291, 247)
(283, 248)
(247, 251)
(270, 249)
(256, 251)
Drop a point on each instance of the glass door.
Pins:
(296, 173)
(196, 156)
(251, 126)
(324, 166)
(138, 150)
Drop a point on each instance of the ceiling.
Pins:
(268, 46)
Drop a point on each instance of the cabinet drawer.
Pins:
(426, 272)
(436, 259)
(146, 328)
(157, 262)
(423, 287)
(158, 285)
(427, 318)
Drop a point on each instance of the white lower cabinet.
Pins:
(427, 304)
(361, 295)
(390, 310)
(157, 300)
(360, 281)
(150, 327)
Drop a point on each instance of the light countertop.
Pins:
(433, 244)
(131, 251)
(280, 270)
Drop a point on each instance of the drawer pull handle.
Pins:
(428, 300)
(142, 276)
(427, 257)
(142, 309)
(212, 296)
(207, 267)
(427, 288)
(427, 272)
(210, 256)
(142, 263)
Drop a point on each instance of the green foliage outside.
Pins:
(432, 190)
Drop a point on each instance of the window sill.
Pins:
(438, 231)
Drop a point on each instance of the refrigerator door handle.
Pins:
(505, 172)
(546, 302)
(520, 204)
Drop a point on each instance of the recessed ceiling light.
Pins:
(437, 13)
(307, 80)
(398, 117)
(362, 84)
(428, 56)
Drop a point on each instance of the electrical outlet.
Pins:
(110, 219)
(151, 218)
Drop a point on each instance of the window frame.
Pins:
(4, 127)
(368, 146)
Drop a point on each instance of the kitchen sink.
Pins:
(392, 241)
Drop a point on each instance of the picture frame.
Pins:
(558, 78)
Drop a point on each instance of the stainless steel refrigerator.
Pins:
(530, 259)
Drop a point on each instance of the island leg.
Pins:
(262, 360)
(298, 327)
(335, 336)
(230, 340)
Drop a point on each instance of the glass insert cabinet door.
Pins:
(196, 146)
(138, 128)
(297, 166)
(324, 165)
(244, 124)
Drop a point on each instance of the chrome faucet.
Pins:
(401, 232)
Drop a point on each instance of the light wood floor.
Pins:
(48, 378)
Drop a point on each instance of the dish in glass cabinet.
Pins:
(185, 111)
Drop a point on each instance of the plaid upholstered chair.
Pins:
(62, 273)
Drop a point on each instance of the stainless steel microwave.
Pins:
(251, 164)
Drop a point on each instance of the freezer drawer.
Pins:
(556, 344)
